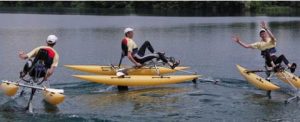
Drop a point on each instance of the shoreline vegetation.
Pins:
(151, 8)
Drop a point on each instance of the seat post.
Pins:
(120, 62)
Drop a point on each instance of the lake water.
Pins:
(202, 43)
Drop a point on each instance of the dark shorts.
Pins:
(37, 70)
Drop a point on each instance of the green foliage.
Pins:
(163, 6)
(20, 4)
(58, 4)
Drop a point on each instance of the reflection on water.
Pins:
(203, 43)
(134, 102)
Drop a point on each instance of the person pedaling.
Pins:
(43, 65)
(39, 66)
(137, 55)
(272, 60)
(44, 62)
(267, 46)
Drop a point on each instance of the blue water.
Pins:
(202, 43)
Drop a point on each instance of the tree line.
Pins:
(135, 6)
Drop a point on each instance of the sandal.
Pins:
(293, 67)
(175, 64)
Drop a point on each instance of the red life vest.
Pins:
(124, 46)
(51, 53)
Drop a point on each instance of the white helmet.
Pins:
(51, 39)
(127, 30)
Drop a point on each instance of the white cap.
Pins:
(127, 30)
(262, 30)
(51, 39)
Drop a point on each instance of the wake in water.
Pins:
(283, 93)
(18, 104)
(12, 106)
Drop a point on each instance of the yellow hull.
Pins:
(108, 70)
(52, 97)
(136, 80)
(289, 78)
(256, 80)
(9, 88)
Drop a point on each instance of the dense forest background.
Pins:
(165, 8)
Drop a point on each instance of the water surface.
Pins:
(203, 43)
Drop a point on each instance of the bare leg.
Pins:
(30, 99)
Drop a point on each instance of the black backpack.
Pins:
(41, 63)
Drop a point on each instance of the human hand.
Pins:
(263, 25)
(236, 38)
(138, 65)
(22, 55)
(45, 78)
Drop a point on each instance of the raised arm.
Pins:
(264, 26)
(238, 40)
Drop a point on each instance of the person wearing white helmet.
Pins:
(47, 54)
(137, 55)
(267, 46)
